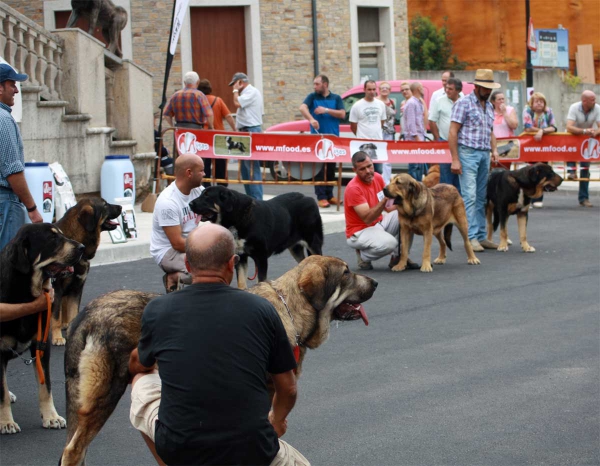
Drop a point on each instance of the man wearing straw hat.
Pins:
(471, 139)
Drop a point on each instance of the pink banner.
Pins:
(325, 148)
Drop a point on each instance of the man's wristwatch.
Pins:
(235, 91)
(32, 208)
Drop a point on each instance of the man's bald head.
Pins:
(588, 99)
(209, 247)
(187, 161)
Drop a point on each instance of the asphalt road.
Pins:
(496, 364)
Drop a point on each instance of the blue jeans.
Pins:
(584, 172)
(446, 175)
(417, 170)
(13, 216)
(252, 190)
(473, 183)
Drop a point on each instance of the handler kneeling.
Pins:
(215, 346)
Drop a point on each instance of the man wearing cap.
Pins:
(471, 139)
(16, 203)
(249, 104)
(581, 119)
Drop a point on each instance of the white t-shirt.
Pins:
(368, 116)
(171, 209)
(582, 120)
(251, 111)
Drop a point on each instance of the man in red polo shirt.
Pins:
(370, 233)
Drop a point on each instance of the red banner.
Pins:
(561, 147)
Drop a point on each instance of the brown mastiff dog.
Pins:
(308, 297)
(427, 211)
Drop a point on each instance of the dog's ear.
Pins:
(315, 285)
(227, 198)
(414, 189)
(21, 256)
(87, 218)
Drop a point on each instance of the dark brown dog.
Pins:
(510, 192)
(83, 223)
(427, 212)
(37, 254)
(112, 20)
(318, 290)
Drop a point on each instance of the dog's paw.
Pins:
(474, 261)
(399, 268)
(58, 341)
(64, 326)
(12, 396)
(440, 261)
(503, 248)
(10, 427)
(527, 248)
(426, 268)
(54, 422)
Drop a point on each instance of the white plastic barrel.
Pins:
(117, 178)
(40, 182)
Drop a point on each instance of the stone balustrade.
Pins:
(32, 50)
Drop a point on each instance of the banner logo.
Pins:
(187, 144)
(590, 149)
(325, 150)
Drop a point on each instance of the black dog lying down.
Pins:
(510, 192)
(263, 228)
(37, 254)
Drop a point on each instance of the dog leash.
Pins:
(41, 346)
(296, 348)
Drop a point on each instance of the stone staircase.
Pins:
(81, 102)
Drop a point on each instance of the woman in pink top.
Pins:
(505, 117)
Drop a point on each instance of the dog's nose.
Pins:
(80, 248)
(374, 283)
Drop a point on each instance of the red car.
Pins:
(356, 93)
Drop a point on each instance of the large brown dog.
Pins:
(510, 193)
(83, 223)
(318, 290)
(37, 254)
(111, 18)
(427, 212)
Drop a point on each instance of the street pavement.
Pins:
(497, 364)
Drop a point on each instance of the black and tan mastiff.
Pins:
(38, 253)
(510, 193)
(427, 211)
(308, 297)
(83, 223)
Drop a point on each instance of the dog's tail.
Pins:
(448, 235)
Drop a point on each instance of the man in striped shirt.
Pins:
(189, 106)
(471, 139)
(16, 203)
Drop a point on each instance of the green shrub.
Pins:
(430, 47)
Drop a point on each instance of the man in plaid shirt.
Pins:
(189, 106)
(471, 139)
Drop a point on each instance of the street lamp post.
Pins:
(528, 68)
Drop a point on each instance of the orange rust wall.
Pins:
(491, 33)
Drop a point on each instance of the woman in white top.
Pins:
(389, 129)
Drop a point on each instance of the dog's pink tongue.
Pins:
(363, 314)
(70, 269)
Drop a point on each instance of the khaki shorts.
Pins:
(145, 401)
(173, 261)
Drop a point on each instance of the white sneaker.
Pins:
(538, 205)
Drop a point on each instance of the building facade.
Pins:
(271, 40)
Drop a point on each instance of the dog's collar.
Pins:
(296, 348)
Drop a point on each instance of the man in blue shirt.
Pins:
(15, 196)
(324, 110)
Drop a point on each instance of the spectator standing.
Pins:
(189, 106)
(249, 103)
(173, 220)
(207, 402)
(405, 90)
(446, 75)
(439, 123)
(367, 116)
(324, 110)
(166, 162)
(415, 117)
(538, 120)
(471, 139)
(583, 118)
(505, 116)
(389, 127)
(220, 111)
(17, 206)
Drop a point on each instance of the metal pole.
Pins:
(528, 68)
(315, 37)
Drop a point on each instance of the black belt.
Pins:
(189, 124)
